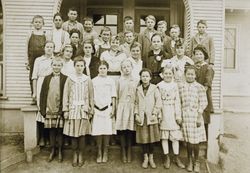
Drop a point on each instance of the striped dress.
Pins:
(78, 101)
(194, 101)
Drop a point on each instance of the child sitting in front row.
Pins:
(194, 101)
(171, 116)
(148, 106)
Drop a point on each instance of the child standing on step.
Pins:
(204, 76)
(104, 104)
(35, 45)
(148, 106)
(171, 116)
(194, 101)
(78, 108)
(51, 106)
(126, 87)
(42, 68)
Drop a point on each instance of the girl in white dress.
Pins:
(104, 108)
(171, 116)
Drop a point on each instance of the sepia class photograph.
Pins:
(124, 86)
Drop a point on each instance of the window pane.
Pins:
(111, 19)
(98, 19)
(113, 30)
(142, 21)
(98, 29)
(230, 48)
(230, 58)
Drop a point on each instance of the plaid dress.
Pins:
(194, 101)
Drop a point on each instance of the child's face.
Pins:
(87, 49)
(106, 35)
(114, 45)
(49, 48)
(156, 42)
(199, 56)
(190, 75)
(129, 25)
(126, 68)
(145, 77)
(79, 67)
(88, 26)
(103, 70)
(72, 15)
(136, 52)
(74, 38)
(174, 33)
(58, 22)
(150, 24)
(162, 28)
(167, 75)
(57, 66)
(68, 52)
(202, 28)
(38, 23)
(129, 37)
(180, 50)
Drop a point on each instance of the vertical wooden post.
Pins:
(83, 9)
(129, 8)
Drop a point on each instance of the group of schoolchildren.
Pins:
(102, 85)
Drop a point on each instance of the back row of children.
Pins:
(167, 105)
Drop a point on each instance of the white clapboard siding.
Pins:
(213, 12)
(18, 16)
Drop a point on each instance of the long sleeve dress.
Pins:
(194, 101)
(126, 89)
(78, 102)
(171, 111)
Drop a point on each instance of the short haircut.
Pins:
(67, 46)
(49, 41)
(106, 28)
(126, 60)
(157, 34)
(72, 9)
(167, 67)
(146, 70)
(179, 43)
(175, 27)
(150, 17)
(37, 17)
(162, 22)
(87, 19)
(74, 31)
(126, 18)
(103, 63)
(135, 44)
(89, 41)
(204, 22)
(79, 59)
(57, 14)
(189, 67)
(57, 59)
(126, 32)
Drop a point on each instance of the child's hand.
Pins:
(66, 115)
(137, 119)
(198, 124)
(179, 122)
(112, 114)
(153, 118)
(159, 119)
(34, 97)
(27, 66)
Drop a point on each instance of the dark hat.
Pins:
(202, 49)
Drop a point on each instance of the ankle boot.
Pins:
(166, 163)
(196, 166)
(129, 154)
(52, 154)
(145, 161)
(124, 157)
(99, 155)
(75, 158)
(105, 154)
(178, 162)
(190, 165)
(80, 159)
(60, 157)
(151, 161)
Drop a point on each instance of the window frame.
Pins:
(237, 36)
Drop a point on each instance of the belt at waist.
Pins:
(102, 109)
(114, 73)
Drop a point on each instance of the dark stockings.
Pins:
(193, 148)
(53, 133)
(148, 148)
